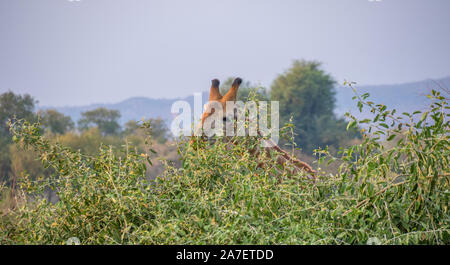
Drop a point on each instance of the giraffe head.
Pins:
(215, 96)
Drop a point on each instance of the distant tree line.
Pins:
(95, 127)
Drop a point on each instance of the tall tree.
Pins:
(15, 106)
(12, 107)
(55, 121)
(307, 93)
(106, 120)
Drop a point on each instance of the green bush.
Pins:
(383, 194)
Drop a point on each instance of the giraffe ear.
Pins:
(214, 93)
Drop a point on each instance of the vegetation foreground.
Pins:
(392, 188)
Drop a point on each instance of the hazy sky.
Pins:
(79, 52)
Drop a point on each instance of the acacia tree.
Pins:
(55, 121)
(307, 93)
(106, 120)
(159, 129)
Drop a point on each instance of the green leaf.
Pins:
(424, 116)
(351, 125)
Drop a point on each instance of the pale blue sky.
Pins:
(73, 53)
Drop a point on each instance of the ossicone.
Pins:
(215, 82)
(237, 81)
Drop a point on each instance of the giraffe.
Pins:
(282, 157)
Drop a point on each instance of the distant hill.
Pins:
(406, 97)
(403, 97)
(134, 108)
